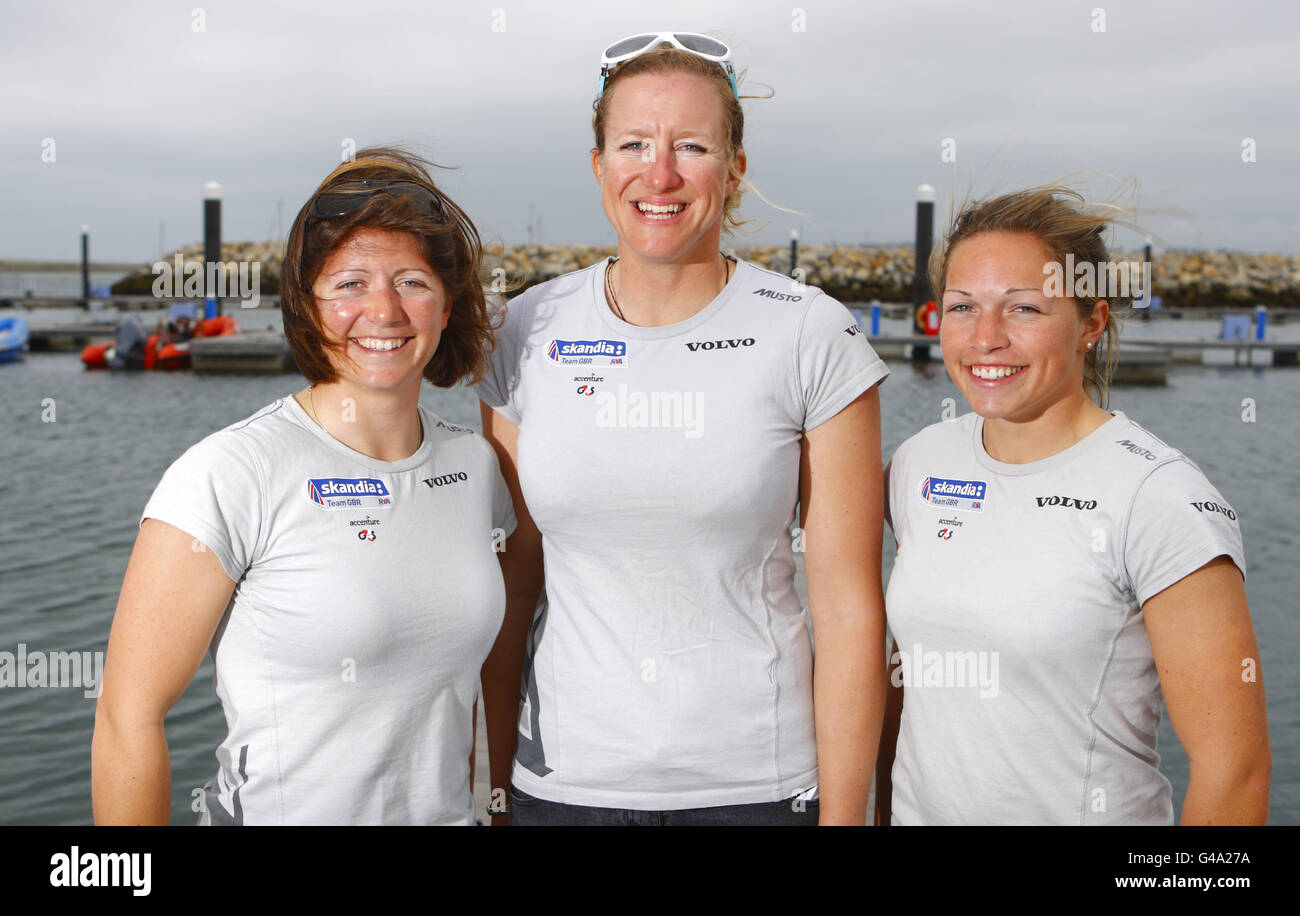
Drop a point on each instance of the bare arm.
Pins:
(842, 500)
(521, 566)
(888, 747)
(173, 597)
(1208, 662)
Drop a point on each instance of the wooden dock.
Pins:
(70, 338)
(250, 352)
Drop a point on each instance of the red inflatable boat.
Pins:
(169, 349)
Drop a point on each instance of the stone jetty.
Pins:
(1182, 278)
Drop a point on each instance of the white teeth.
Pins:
(380, 343)
(656, 211)
(992, 373)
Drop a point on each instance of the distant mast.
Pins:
(85, 266)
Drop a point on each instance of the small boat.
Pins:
(13, 337)
(166, 348)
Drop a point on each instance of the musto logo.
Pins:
(348, 492)
(587, 352)
(967, 495)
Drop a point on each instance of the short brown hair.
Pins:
(448, 241)
(1061, 219)
(667, 59)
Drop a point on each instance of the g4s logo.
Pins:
(365, 534)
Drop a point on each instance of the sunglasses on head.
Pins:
(691, 42)
(347, 197)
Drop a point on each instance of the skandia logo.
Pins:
(587, 352)
(348, 492)
(967, 495)
(779, 297)
(729, 344)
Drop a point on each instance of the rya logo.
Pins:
(1066, 501)
(445, 479)
(1215, 507)
(779, 297)
(720, 344)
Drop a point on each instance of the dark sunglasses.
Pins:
(347, 197)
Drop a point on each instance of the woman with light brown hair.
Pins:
(659, 417)
(1060, 569)
(336, 551)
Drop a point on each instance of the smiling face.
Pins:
(1015, 353)
(378, 296)
(664, 172)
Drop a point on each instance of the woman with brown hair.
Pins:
(1060, 569)
(659, 417)
(336, 550)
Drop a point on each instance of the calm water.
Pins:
(72, 490)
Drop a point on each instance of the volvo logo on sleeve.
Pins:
(729, 344)
(607, 353)
(348, 493)
(949, 493)
(1207, 506)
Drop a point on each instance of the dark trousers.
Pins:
(529, 811)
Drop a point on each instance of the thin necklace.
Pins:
(613, 300)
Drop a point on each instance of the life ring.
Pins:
(927, 318)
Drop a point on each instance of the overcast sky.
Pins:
(142, 109)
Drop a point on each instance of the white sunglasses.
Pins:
(690, 42)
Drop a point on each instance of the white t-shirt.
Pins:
(368, 595)
(1030, 690)
(671, 667)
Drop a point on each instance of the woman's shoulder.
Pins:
(262, 433)
(1138, 446)
(786, 292)
(447, 435)
(541, 297)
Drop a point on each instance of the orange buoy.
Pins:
(95, 356)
